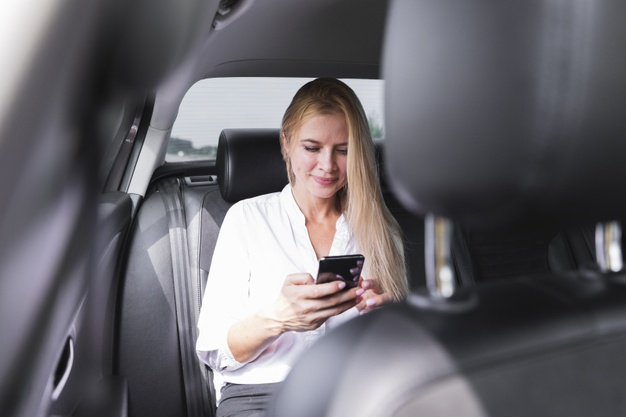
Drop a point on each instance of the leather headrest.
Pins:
(503, 112)
(249, 163)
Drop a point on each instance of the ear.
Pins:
(283, 144)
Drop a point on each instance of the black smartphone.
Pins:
(345, 267)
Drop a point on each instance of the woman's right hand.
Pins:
(301, 305)
(304, 305)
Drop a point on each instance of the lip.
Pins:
(325, 181)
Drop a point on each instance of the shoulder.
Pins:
(256, 205)
(260, 201)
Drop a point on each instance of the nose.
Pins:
(326, 160)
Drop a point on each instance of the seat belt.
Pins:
(187, 302)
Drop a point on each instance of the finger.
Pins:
(299, 279)
(371, 284)
(367, 302)
(345, 296)
(338, 298)
(356, 271)
(324, 290)
(338, 308)
(371, 301)
(324, 309)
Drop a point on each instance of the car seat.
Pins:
(155, 343)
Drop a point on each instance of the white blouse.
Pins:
(261, 241)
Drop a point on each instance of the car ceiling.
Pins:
(287, 37)
(277, 38)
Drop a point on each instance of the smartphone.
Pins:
(346, 267)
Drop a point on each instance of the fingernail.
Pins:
(342, 285)
(360, 291)
(370, 303)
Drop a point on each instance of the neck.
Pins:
(316, 209)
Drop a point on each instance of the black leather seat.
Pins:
(498, 115)
(147, 351)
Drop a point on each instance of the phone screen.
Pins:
(346, 267)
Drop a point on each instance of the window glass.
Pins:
(214, 104)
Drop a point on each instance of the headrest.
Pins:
(501, 112)
(249, 163)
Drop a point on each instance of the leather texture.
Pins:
(109, 399)
(541, 346)
(508, 112)
(147, 352)
(249, 163)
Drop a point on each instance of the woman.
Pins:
(262, 307)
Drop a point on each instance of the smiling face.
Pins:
(318, 152)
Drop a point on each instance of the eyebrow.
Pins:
(315, 142)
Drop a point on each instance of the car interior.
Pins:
(501, 161)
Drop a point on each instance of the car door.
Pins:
(67, 72)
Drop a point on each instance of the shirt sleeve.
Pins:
(226, 292)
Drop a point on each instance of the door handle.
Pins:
(63, 368)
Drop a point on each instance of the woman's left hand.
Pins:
(371, 296)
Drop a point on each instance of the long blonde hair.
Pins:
(361, 200)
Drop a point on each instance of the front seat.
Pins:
(498, 113)
(65, 66)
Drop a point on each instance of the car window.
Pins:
(214, 104)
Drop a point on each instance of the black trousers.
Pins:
(245, 400)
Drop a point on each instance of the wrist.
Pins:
(268, 320)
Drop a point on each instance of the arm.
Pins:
(230, 335)
(301, 305)
(226, 293)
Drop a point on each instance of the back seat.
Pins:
(249, 163)
(147, 347)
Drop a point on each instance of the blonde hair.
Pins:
(361, 200)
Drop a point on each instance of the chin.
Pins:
(325, 193)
